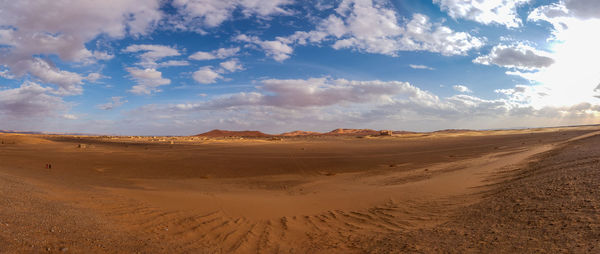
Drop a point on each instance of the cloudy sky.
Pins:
(180, 67)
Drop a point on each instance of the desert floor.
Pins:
(509, 191)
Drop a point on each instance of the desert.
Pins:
(458, 191)
(299, 126)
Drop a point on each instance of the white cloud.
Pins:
(69, 83)
(461, 89)
(206, 75)
(323, 91)
(152, 53)
(6, 74)
(232, 65)
(303, 38)
(99, 55)
(364, 25)
(201, 55)
(291, 93)
(572, 78)
(70, 117)
(29, 100)
(421, 34)
(512, 91)
(148, 80)
(265, 8)
(114, 102)
(323, 103)
(518, 56)
(275, 49)
(212, 13)
(33, 30)
(372, 26)
(420, 67)
(502, 12)
(39, 30)
(94, 77)
(209, 75)
(221, 53)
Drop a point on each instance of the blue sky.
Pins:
(182, 67)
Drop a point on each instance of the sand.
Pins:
(454, 191)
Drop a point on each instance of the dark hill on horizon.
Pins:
(225, 133)
(336, 132)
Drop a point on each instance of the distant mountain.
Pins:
(224, 133)
(21, 132)
(300, 133)
(48, 133)
(358, 132)
(453, 131)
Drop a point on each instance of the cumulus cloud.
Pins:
(518, 56)
(152, 53)
(212, 13)
(29, 100)
(573, 76)
(275, 49)
(210, 75)
(148, 80)
(221, 53)
(32, 28)
(232, 65)
(69, 83)
(321, 103)
(502, 12)
(314, 92)
(421, 34)
(461, 89)
(323, 91)
(206, 75)
(115, 102)
(372, 26)
(99, 55)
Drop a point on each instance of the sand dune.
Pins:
(334, 194)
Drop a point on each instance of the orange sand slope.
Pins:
(222, 193)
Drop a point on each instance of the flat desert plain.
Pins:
(506, 191)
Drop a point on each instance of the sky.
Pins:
(182, 67)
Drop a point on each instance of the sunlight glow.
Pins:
(575, 74)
